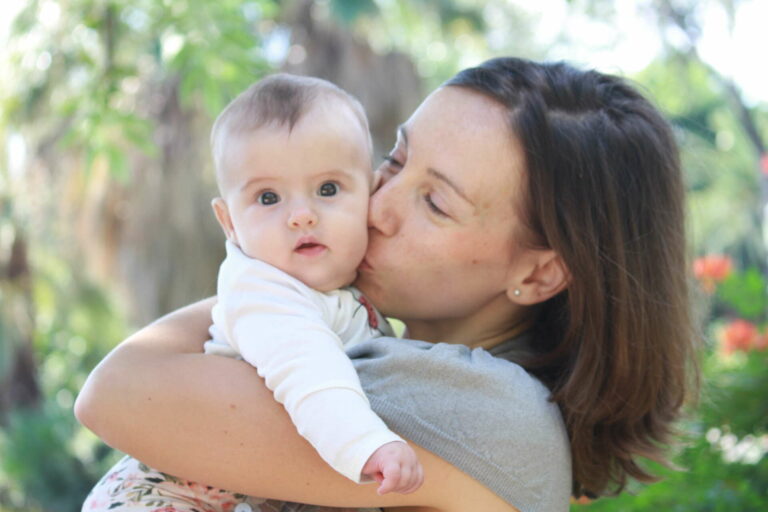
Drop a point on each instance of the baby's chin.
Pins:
(330, 284)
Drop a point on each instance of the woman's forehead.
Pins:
(461, 103)
(454, 115)
(467, 136)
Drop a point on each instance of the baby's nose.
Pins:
(302, 217)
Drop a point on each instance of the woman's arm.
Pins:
(211, 419)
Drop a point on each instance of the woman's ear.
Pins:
(542, 275)
(225, 221)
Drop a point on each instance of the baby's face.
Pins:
(298, 200)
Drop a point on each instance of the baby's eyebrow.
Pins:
(251, 181)
(334, 173)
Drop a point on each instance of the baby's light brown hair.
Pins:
(278, 100)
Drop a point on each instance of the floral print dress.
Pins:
(131, 486)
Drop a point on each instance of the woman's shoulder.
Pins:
(484, 414)
(429, 373)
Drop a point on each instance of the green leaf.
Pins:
(118, 164)
(747, 293)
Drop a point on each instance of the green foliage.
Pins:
(722, 466)
(49, 461)
(38, 457)
(441, 36)
(122, 52)
(745, 293)
(716, 473)
(733, 399)
(719, 163)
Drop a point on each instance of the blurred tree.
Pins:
(682, 17)
(382, 51)
(719, 164)
(114, 161)
(388, 85)
(19, 387)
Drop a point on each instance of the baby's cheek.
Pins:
(360, 244)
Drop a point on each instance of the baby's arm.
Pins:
(276, 325)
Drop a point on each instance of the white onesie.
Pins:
(295, 336)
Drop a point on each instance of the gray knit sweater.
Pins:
(477, 410)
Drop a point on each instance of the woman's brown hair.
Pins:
(605, 191)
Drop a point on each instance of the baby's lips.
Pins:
(309, 246)
(306, 240)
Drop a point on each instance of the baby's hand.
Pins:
(395, 466)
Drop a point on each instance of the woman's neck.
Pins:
(476, 331)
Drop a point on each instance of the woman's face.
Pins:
(444, 223)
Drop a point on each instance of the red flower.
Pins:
(761, 343)
(373, 320)
(739, 335)
(582, 500)
(764, 163)
(712, 269)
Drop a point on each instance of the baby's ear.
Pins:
(221, 211)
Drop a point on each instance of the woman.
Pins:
(530, 230)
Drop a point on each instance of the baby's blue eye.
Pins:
(329, 189)
(268, 198)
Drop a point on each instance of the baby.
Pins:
(293, 165)
(292, 158)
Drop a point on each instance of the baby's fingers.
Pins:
(392, 481)
(417, 478)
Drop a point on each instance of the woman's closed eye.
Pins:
(432, 206)
(392, 161)
(392, 166)
(388, 168)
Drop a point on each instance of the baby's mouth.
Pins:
(309, 247)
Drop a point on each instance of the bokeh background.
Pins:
(105, 184)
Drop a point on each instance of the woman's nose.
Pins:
(382, 210)
(302, 217)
